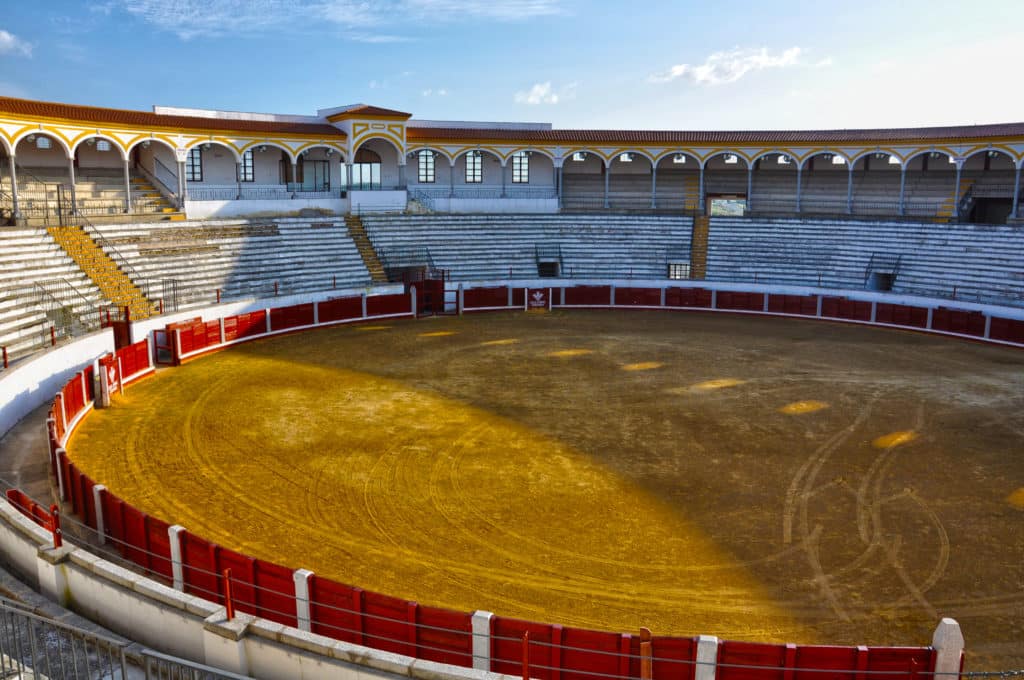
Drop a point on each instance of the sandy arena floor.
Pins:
(751, 478)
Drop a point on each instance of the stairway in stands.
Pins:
(699, 247)
(113, 283)
(358, 233)
(146, 198)
(691, 193)
(945, 211)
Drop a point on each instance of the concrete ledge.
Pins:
(235, 629)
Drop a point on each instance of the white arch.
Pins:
(823, 153)
(650, 159)
(204, 142)
(777, 152)
(670, 154)
(486, 151)
(116, 143)
(330, 148)
(747, 164)
(6, 145)
(1001, 152)
(255, 145)
(440, 152)
(39, 133)
(139, 142)
(918, 154)
(864, 154)
(366, 140)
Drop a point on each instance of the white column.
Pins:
(956, 189)
(302, 612)
(849, 190)
(363, 301)
(295, 174)
(412, 301)
(561, 179)
(177, 569)
(504, 180)
(71, 177)
(266, 313)
(348, 176)
(1013, 213)
(238, 179)
(654, 186)
(707, 657)
(481, 626)
(799, 186)
(948, 642)
(700, 192)
(14, 184)
(451, 181)
(607, 179)
(97, 501)
(903, 185)
(127, 186)
(182, 185)
(750, 185)
(60, 474)
(401, 175)
(462, 299)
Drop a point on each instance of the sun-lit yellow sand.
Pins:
(538, 466)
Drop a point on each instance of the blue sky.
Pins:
(640, 64)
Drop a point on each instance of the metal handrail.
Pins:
(120, 260)
(158, 167)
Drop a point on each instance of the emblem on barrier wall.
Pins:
(538, 299)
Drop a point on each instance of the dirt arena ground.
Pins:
(752, 478)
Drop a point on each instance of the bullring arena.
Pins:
(316, 396)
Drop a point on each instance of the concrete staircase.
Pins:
(113, 283)
(146, 199)
(699, 247)
(357, 232)
(691, 193)
(945, 211)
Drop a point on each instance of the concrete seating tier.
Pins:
(970, 262)
(187, 263)
(98, 192)
(481, 247)
(28, 257)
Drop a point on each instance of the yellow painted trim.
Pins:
(138, 139)
(277, 144)
(377, 134)
(310, 145)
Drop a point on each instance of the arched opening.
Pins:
(43, 175)
(726, 185)
(211, 173)
(988, 182)
(629, 182)
(677, 183)
(374, 166)
(774, 184)
(318, 169)
(929, 184)
(823, 182)
(874, 184)
(583, 181)
(530, 174)
(477, 174)
(102, 179)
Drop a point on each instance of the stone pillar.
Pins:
(481, 626)
(561, 179)
(401, 176)
(71, 177)
(750, 185)
(348, 176)
(182, 186)
(607, 180)
(1013, 212)
(14, 186)
(127, 186)
(654, 186)
(295, 175)
(948, 642)
(504, 180)
(238, 179)
(700, 192)
(903, 186)
(451, 181)
(799, 186)
(849, 190)
(956, 189)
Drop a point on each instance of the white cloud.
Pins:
(544, 93)
(730, 66)
(435, 92)
(12, 44)
(211, 18)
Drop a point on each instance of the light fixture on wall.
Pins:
(880, 156)
(206, 147)
(732, 159)
(262, 148)
(993, 154)
(145, 144)
(91, 141)
(330, 151)
(579, 156)
(679, 158)
(626, 157)
(30, 139)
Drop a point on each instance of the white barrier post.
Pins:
(930, 314)
(85, 393)
(526, 299)
(707, 657)
(63, 413)
(611, 299)
(714, 299)
(412, 301)
(764, 307)
(316, 313)
(60, 474)
(363, 296)
(509, 286)
(462, 298)
(874, 311)
(221, 330)
(302, 613)
(267, 312)
(174, 536)
(662, 296)
(481, 624)
(988, 326)
(818, 312)
(948, 642)
(563, 296)
(97, 500)
(120, 378)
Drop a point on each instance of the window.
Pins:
(679, 158)
(426, 167)
(678, 270)
(521, 167)
(194, 165)
(731, 159)
(626, 157)
(579, 156)
(43, 143)
(245, 168)
(102, 145)
(474, 167)
(366, 170)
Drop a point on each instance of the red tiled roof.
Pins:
(95, 114)
(367, 110)
(947, 133)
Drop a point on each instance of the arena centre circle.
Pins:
(753, 478)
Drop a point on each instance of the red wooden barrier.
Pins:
(493, 296)
(133, 358)
(545, 647)
(275, 593)
(159, 545)
(399, 303)
(640, 297)
(843, 308)
(752, 302)
(592, 654)
(445, 636)
(1007, 330)
(958, 321)
(588, 295)
(200, 567)
(336, 610)
(389, 623)
(339, 309)
(774, 658)
(688, 297)
(245, 325)
(806, 305)
(282, 318)
(901, 315)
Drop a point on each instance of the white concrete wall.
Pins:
(377, 201)
(29, 156)
(496, 205)
(266, 166)
(35, 380)
(218, 166)
(89, 157)
(638, 166)
(591, 165)
(201, 210)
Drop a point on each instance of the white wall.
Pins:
(377, 201)
(591, 165)
(29, 156)
(34, 381)
(218, 166)
(496, 205)
(201, 210)
(89, 157)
